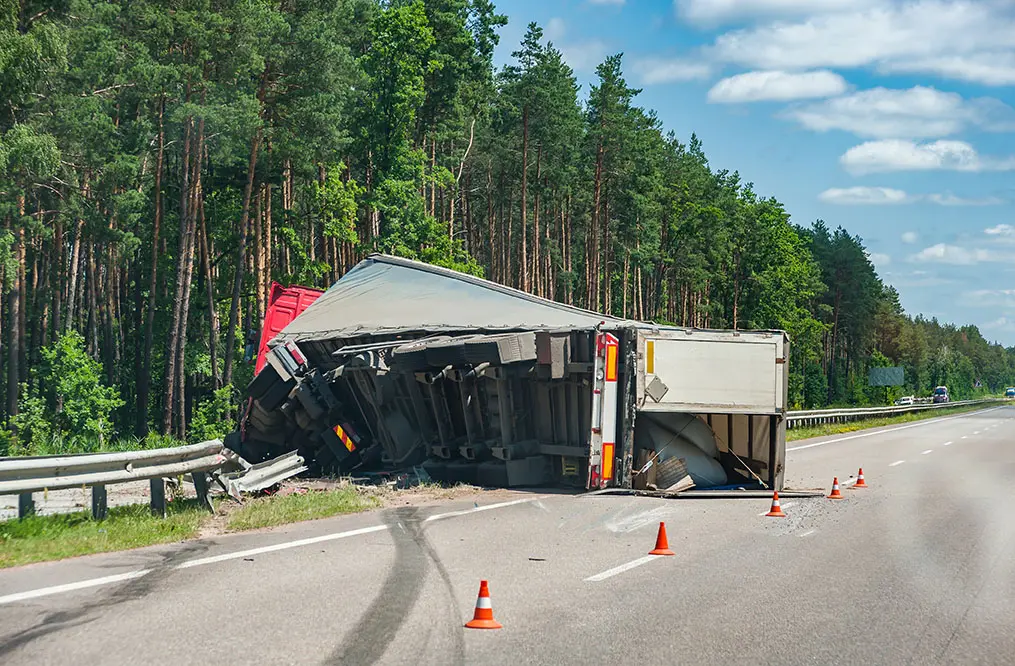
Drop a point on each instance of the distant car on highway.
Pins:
(940, 394)
(906, 400)
(1009, 392)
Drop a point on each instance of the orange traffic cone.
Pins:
(483, 617)
(662, 545)
(776, 511)
(835, 490)
(859, 480)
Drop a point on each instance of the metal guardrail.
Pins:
(262, 475)
(796, 419)
(28, 475)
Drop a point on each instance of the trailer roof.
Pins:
(385, 295)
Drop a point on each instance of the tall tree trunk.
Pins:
(192, 217)
(491, 251)
(22, 298)
(145, 367)
(75, 261)
(535, 221)
(523, 251)
(241, 252)
(173, 344)
(14, 340)
(209, 280)
(56, 266)
(593, 251)
(266, 263)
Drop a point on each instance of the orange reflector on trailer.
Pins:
(607, 461)
(611, 362)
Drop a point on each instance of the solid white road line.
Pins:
(928, 451)
(475, 509)
(883, 432)
(609, 573)
(108, 580)
(70, 587)
(897, 462)
(784, 506)
(849, 482)
(278, 546)
(807, 533)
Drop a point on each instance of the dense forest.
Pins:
(163, 161)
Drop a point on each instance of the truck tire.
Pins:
(276, 395)
(262, 382)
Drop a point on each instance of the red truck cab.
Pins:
(284, 305)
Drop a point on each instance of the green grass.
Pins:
(279, 510)
(839, 428)
(60, 445)
(43, 538)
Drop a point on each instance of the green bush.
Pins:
(213, 418)
(66, 404)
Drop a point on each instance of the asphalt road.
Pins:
(918, 568)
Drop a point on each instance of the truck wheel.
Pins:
(276, 395)
(262, 382)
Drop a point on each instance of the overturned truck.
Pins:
(402, 364)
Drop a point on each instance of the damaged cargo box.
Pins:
(402, 364)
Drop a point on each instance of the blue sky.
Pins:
(891, 118)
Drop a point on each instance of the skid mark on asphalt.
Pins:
(377, 628)
(202, 545)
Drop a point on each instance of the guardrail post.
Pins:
(100, 506)
(201, 488)
(26, 505)
(158, 503)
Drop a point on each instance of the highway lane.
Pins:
(917, 569)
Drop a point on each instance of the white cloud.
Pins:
(584, 56)
(899, 155)
(949, 199)
(918, 279)
(959, 256)
(910, 237)
(710, 11)
(993, 298)
(915, 32)
(992, 68)
(777, 85)
(670, 70)
(863, 196)
(555, 29)
(917, 112)
(1001, 324)
(880, 259)
(1000, 230)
